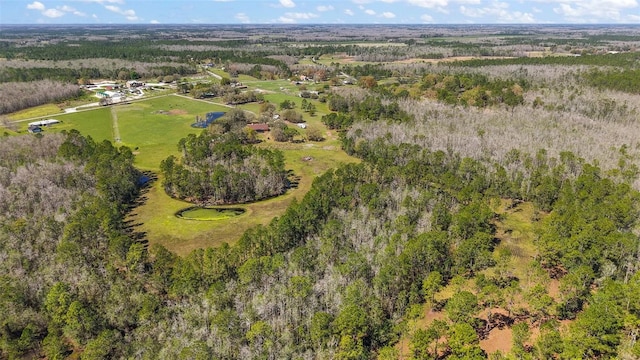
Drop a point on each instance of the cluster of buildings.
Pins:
(115, 93)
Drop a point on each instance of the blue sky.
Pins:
(319, 11)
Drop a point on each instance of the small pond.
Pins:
(208, 214)
(210, 117)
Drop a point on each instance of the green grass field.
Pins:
(36, 111)
(153, 128)
(95, 123)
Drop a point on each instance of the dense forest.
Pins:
(332, 277)
(221, 170)
(445, 155)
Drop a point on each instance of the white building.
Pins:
(46, 122)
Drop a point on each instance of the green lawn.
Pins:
(95, 123)
(36, 111)
(153, 128)
(220, 72)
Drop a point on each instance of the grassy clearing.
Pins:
(95, 123)
(153, 128)
(220, 72)
(156, 216)
(272, 85)
(515, 231)
(243, 78)
(37, 111)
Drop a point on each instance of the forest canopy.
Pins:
(221, 170)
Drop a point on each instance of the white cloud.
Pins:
(72, 10)
(388, 15)
(429, 3)
(243, 18)
(369, 12)
(154, 22)
(499, 12)
(106, 1)
(426, 18)
(596, 10)
(287, 3)
(286, 20)
(113, 8)
(349, 12)
(36, 5)
(323, 8)
(53, 13)
(128, 14)
(94, 16)
(300, 16)
(439, 4)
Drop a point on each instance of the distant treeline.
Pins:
(133, 50)
(72, 75)
(627, 60)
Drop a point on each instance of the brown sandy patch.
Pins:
(554, 289)
(178, 112)
(498, 340)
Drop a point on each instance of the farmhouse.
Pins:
(109, 94)
(131, 84)
(46, 122)
(259, 127)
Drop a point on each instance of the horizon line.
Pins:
(325, 24)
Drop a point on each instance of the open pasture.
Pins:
(151, 128)
(36, 111)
